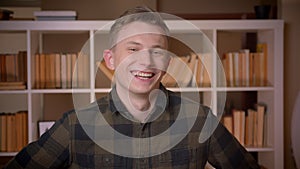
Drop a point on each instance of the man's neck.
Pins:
(138, 105)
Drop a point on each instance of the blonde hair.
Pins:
(140, 13)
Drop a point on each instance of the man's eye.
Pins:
(132, 49)
(157, 52)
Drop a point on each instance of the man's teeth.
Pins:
(143, 74)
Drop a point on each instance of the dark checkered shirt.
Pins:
(73, 143)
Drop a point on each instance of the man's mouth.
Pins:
(143, 75)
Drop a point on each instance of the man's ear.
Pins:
(108, 58)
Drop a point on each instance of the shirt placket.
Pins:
(143, 147)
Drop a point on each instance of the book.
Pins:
(185, 73)
(19, 133)
(242, 126)
(245, 54)
(241, 68)
(83, 70)
(42, 71)
(74, 73)
(63, 71)
(249, 127)
(194, 82)
(258, 73)
(260, 124)
(239, 125)
(57, 71)
(3, 132)
(251, 69)
(228, 123)
(193, 64)
(181, 68)
(10, 62)
(227, 62)
(12, 85)
(263, 49)
(170, 78)
(205, 65)
(50, 67)
(236, 68)
(11, 133)
(55, 15)
(37, 70)
(3, 67)
(56, 18)
(201, 72)
(24, 115)
(68, 70)
(80, 71)
(17, 67)
(22, 62)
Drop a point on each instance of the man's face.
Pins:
(139, 60)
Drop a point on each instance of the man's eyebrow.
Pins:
(139, 44)
(158, 46)
(133, 43)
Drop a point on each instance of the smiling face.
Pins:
(138, 58)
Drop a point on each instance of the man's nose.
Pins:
(146, 58)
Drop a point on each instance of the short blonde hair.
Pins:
(140, 13)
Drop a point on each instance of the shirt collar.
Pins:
(116, 105)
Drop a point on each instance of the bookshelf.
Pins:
(225, 35)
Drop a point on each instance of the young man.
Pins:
(139, 124)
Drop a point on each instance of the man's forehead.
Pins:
(138, 28)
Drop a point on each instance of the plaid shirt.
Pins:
(68, 145)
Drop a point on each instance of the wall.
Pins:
(290, 13)
(110, 9)
(201, 6)
(23, 12)
(96, 9)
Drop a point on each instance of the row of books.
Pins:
(13, 71)
(14, 133)
(184, 71)
(249, 127)
(61, 70)
(189, 71)
(245, 68)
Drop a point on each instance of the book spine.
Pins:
(57, 71)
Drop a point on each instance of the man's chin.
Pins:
(141, 89)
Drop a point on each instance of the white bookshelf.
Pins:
(28, 35)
